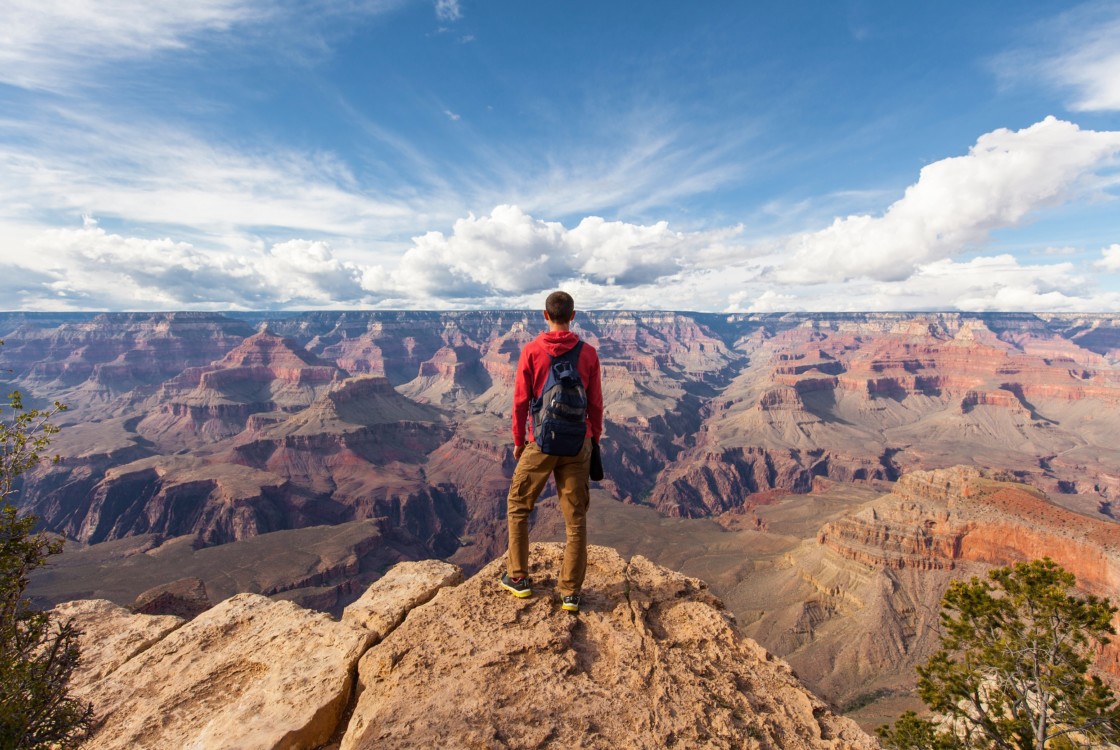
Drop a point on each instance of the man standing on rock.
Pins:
(557, 380)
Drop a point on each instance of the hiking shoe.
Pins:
(570, 603)
(519, 587)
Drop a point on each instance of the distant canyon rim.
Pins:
(826, 473)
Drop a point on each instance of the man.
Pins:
(534, 466)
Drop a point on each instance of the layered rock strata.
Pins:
(866, 397)
(264, 373)
(936, 519)
(704, 413)
(959, 518)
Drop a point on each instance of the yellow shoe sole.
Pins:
(519, 593)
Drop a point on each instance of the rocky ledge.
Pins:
(421, 660)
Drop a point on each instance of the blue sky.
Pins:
(722, 156)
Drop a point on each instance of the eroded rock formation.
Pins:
(855, 608)
(244, 424)
(654, 661)
(937, 519)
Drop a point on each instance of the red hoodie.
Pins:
(532, 371)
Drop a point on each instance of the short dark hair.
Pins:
(560, 307)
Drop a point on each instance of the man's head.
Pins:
(560, 308)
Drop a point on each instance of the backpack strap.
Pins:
(572, 355)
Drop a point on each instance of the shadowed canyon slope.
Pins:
(653, 662)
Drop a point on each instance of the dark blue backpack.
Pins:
(560, 413)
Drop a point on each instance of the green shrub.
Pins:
(1013, 671)
(38, 653)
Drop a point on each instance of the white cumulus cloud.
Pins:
(508, 251)
(304, 269)
(511, 252)
(1110, 258)
(90, 268)
(510, 259)
(986, 283)
(956, 203)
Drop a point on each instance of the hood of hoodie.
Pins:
(558, 342)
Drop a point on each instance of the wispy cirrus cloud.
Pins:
(149, 165)
(1077, 52)
(46, 43)
(59, 162)
(628, 163)
(62, 45)
(499, 207)
(448, 10)
(158, 175)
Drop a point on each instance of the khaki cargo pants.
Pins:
(533, 470)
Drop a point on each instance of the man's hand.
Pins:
(517, 451)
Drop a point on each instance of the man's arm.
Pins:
(594, 390)
(522, 397)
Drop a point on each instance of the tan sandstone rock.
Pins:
(406, 586)
(249, 673)
(653, 661)
(110, 636)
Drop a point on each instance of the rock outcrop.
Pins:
(186, 598)
(110, 636)
(406, 586)
(653, 661)
(248, 673)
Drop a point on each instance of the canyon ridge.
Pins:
(827, 474)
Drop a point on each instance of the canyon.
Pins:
(826, 474)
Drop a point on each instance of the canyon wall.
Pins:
(959, 518)
(229, 426)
